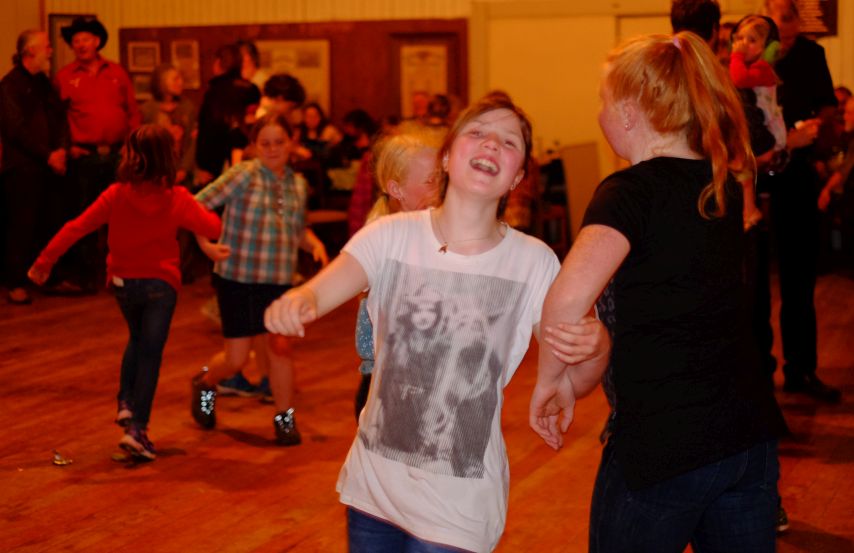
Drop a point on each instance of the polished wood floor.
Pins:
(232, 490)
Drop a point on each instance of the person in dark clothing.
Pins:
(806, 95)
(691, 452)
(228, 103)
(35, 137)
(701, 17)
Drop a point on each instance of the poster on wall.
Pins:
(185, 57)
(307, 60)
(423, 69)
(141, 86)
(143, 56)
(62, 52)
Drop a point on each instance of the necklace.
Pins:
(443, 248)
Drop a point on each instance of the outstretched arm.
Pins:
(593, 259)
(311, 243)
(333, 285)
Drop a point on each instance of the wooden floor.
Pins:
(232, 490)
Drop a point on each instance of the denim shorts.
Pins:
(242, 305)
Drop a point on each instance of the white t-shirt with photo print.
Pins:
(449, 332)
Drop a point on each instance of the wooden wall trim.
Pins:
(362, 54)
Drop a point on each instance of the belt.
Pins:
(100, 149)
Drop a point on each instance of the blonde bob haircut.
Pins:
(392, 156)
(681, 87)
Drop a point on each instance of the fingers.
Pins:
(572, 343)
(288, 314)
(39, 277)
(546, 428)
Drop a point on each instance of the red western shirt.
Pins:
(101, 106)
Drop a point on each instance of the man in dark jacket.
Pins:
(35, 137)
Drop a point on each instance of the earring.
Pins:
(626, 125)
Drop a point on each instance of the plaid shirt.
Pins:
(263, 222)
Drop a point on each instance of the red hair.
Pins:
(682, 88)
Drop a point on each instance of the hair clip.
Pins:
(676, 42)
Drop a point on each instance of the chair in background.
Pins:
(581, 174)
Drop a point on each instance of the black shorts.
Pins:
(242, 305)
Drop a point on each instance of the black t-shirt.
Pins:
(684, 366)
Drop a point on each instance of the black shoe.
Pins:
(203, 400)
(811, 385)
(782, 520)
(286, 428)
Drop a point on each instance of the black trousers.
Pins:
(794, 231)
(88, 176)
(32, 212)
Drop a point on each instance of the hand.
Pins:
(824, 198)
(56, 161)
(576, 343)
(804, 134)
(752, 215)
(38, 275)
(202, 177)
(214, 250)
(76, 152)
(318, 253)
(288, 314)
(552, 408)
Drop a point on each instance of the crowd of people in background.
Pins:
(767, 172)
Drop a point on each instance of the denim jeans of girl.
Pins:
(729, 506)
(367, 534)
(147, 305)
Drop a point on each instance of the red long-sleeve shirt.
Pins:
(758, 73)
(142, 237)
(102, 106)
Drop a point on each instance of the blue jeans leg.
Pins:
(368, 534)
(727, 506)
(147, 306)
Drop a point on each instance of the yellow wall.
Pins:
(546, 53)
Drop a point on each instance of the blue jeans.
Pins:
(729, 506)
(368, 534)
(147, 305)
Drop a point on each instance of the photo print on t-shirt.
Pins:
(442, 344)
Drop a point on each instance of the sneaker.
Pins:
(124, 415)
(237, 385)
(203, 401)
(782, 520)
(286, 428)
(136, 442)
(811, 385)
(264, 390)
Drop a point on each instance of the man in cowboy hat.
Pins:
(102, 110)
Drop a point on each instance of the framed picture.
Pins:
(143, 56)
(307, 60)
(62, 52)
(423, 71)
(185, 57)
(141, 86)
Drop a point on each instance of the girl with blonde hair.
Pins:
(406, 170)
(691, 451)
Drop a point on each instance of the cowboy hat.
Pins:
(85, 24)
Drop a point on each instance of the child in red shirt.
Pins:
(144, 212)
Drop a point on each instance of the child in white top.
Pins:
(455, 296)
